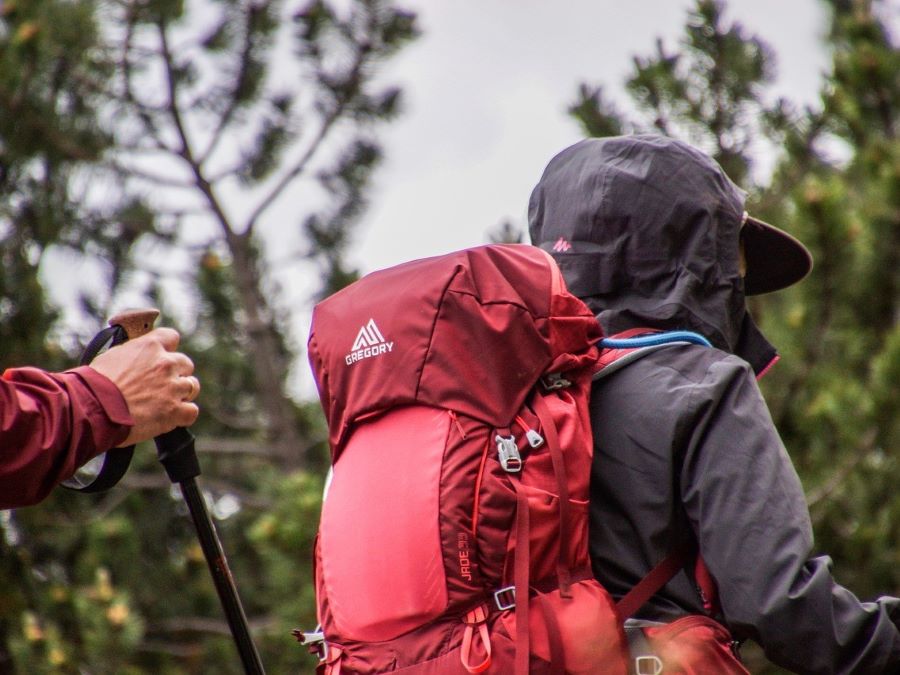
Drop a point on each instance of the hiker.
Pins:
(52, 423)
(652, 235)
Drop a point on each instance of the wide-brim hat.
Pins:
(774, 259)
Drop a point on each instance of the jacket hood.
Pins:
(646, 231)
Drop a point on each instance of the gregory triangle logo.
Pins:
(368, 336)
(369, 342)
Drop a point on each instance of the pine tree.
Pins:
(836, 184)
(49, 136)
(844, 420)
(208, 121)
(172, 143)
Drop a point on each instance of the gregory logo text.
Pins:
(369, 342)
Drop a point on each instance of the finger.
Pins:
(193, 387)
(182, 364)
(187, 414)
(167, 337)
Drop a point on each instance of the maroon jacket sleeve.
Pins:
(51, 424)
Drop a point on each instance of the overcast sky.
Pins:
(487, 86)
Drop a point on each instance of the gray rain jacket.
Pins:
(686, 453)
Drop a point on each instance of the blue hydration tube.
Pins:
(655, 340)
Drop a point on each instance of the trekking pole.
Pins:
(177, 454)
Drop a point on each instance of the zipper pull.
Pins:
(508, 452)
(535, 440)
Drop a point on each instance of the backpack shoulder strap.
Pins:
(662, 574)
(618, 351)
(647, 587)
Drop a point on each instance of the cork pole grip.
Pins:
(135, 322)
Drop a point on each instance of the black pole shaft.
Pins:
(221, 574)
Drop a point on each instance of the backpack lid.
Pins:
(471, 331)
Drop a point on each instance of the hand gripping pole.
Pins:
(114, 463)
(179, 458)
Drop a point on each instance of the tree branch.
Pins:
(228, 114)
(128, 92)
(298, 168)
(328, 122)
(178, 650)
(185, 152)
(174, 110)
(159, 481)
(155, 178)
(202, 624)
(818, 496)
(230, 446)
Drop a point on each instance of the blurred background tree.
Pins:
(182, 154)
(836, 185)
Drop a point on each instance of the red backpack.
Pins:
(453, 536)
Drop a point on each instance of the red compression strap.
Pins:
(563, 567)
(521, 579)
(647, 587)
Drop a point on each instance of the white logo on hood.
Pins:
(369, 342)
